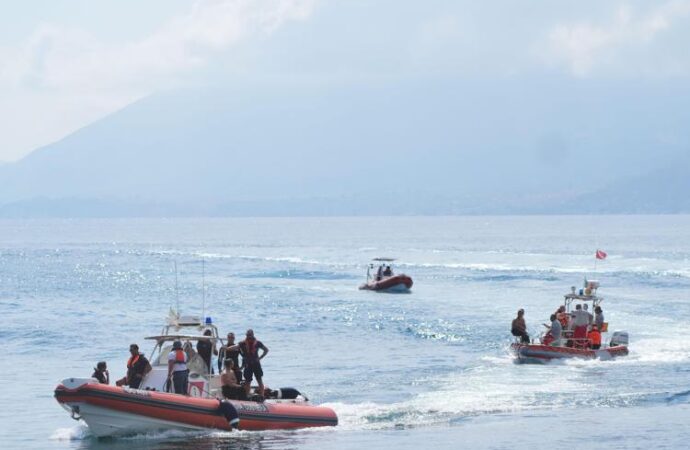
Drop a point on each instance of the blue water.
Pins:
(428, 369)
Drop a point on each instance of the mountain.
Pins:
(662, 191)
(411, 147)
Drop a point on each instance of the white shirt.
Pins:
(580, 318)
(177, 366)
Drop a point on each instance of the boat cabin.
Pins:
(189, 330)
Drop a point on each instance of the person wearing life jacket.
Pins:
(177, 369)
(137, 368)
(594, 337)
(249, 348)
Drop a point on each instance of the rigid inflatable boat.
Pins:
(542, 349)
(537, 353)
(122, 410)
(111, 410)
(385, 280)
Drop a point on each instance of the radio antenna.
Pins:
(177, 292)
(203, 289)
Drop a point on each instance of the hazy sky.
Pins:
(64, 64)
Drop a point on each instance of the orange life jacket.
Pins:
(595, 337)
(132, 361)
(180, 357)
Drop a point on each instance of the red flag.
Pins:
(601, 254)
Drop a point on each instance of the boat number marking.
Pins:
(251, 407)
(138, 392)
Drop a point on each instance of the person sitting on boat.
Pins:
(178, 374)
(556, 331)
(230, 351)
(580, 324)
(100, 372)
(594, 337)
(137, 368)
(388, 272)
(519, 328)
(206, 348)
(249, 348)
(599, 318)
(231, 387)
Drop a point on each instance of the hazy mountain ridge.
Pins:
(471, 147)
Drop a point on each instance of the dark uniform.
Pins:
(249, 348)
(205, 349)
(136, 367)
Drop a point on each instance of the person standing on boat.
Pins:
(206, 348)
(137, 368)
(585, 308)
(231, 351)
(178, 374)
(580, 324)
(599, 318)
(249, 348)
(100, 372)
(519, 327)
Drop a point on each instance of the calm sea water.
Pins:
(420, 370)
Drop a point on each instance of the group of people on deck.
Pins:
(235, 378)
(578, 329)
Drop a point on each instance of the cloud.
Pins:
(57, 65)
(586, 47)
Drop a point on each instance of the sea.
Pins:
(427, 369)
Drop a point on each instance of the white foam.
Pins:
(75, 433)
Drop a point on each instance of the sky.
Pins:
(65, 64)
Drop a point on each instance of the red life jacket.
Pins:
(594, 337)
(251, 347)
(180, 357)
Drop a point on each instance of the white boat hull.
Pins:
(108, 422)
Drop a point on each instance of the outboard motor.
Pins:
(619, 338)
(230, 413)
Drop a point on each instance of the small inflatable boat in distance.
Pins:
(540, 351)
(385, 280)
